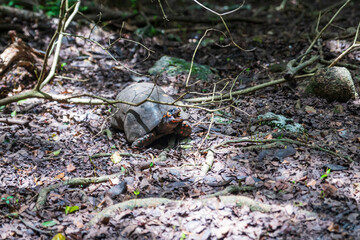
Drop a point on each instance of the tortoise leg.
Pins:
(183, 129)
(144, 141)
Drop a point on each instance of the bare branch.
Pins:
(220, 14)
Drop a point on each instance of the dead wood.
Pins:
(19, 63)
(229, 96)
(23, 13)
(209, 200)
(71, 182)
(12, 121)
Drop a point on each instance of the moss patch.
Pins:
(177, 66)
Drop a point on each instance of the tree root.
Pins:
(208, 162)
(207, 200)
(23, 13)
(71, 182)
(30, 225)
(285, 140)
(12, 121)
(99, 155)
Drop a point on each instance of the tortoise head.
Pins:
(170, 120)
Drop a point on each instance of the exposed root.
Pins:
(285, 140)
(206, 201)
(71, 182)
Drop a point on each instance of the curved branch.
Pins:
(220, 14)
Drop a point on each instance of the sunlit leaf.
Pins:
(70, 167)
(56, 153)
(137, 192)
(60, 176)
(186, 146)
(116, 158)
(59, 236)
(71, 209)
(21, 101)
(49, 223)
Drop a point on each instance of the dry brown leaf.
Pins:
(116, 158)
(311, 183)
(357, 186)
(60, 176)
(114, 181)
(329, 190)
(70, 167)
(333, 227)
(269, 136)
(310, 109)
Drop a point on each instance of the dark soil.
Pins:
(61, 138)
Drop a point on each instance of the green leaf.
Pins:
(113, 147)
(63, 65)
(7, 199)
(136, 192)
(280, 137)
(56, 153)
(257, 39)
(221, 120)
(183, 236)
(84, 8)
(71, 209)
(326, 174)
(21, 101)
(13, 114)
(2, 107)
(49, 223)
(151, 164)
(186, 146)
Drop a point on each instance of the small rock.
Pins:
(117, 190)
(250, 181)
(333, 84)
(280, 154)
(335, 167)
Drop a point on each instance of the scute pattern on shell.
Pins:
(136, 121)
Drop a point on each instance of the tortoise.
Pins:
(149, 121)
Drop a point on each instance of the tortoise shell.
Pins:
(137, 121)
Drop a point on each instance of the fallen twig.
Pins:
(12, 121)
(285, 140)
(99, 155)
(353, 46)
(228, 96)
(323, 29)
(30, 225)
(71, 182)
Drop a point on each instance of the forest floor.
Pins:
(292, 193)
